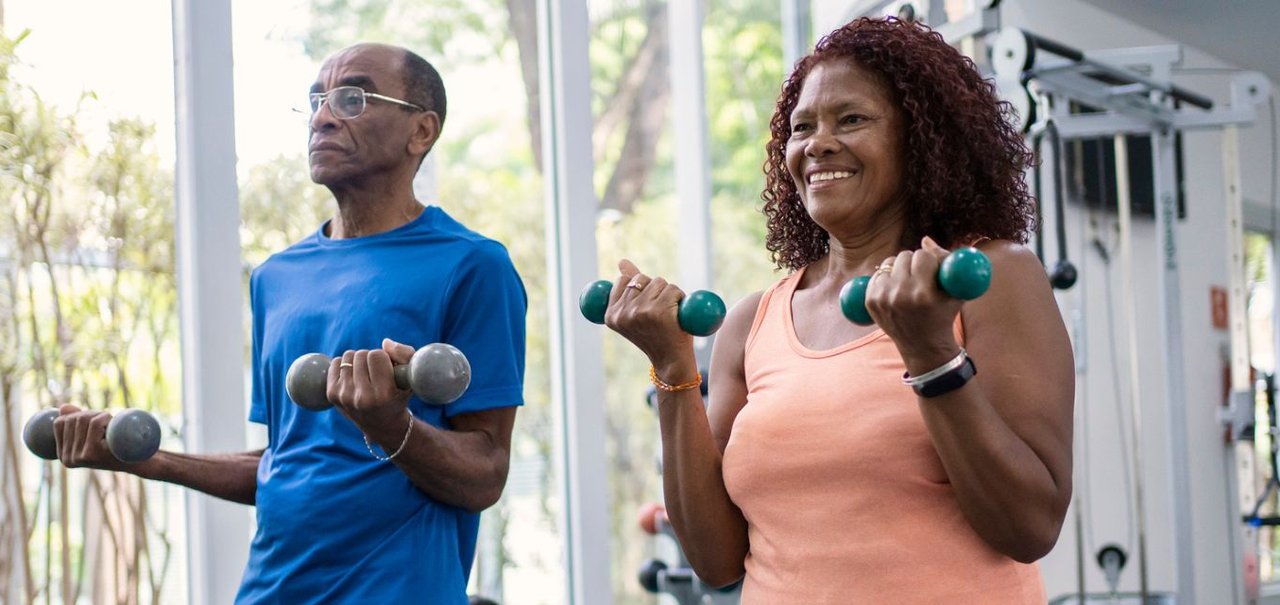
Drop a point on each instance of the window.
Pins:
(484, 171)
(1260, 288)
(636, 152)
(88, 292)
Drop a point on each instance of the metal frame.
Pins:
(1131, 86)
(577, 370)
(983, 19)
(972, 26)
(1134, 107)
(1241, 386)
(1175, 393)
(209, 286)
(1130, 319)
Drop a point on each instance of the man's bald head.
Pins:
(422, 83)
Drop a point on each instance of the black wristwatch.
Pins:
(947, 382)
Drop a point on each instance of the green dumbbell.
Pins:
(438, 374)
(132, 435)
(700, 313)
(965, 275)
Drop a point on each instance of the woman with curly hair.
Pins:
(816, 474)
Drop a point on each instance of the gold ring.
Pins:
(884, 269)
(636, 285)
(346, 365)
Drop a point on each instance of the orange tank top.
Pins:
(846, 500)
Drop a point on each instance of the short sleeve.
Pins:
(258, 398)
(485, 319)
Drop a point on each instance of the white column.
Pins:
(797, 23)
(577, 370)
(692, 157)
(209, 286)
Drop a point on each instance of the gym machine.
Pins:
(1130, 92)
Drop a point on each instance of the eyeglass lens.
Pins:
(344, 101)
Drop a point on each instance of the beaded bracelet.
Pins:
(407, 431)
(674, 388)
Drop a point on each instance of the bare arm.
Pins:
(465, 466)
(710, 526)
(81, 436)
(231, 477)
(1005, 437)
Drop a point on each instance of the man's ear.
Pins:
(425, 132)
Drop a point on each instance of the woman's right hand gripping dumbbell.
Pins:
(656, 315)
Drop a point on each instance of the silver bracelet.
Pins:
(955, 362)
(407, 431)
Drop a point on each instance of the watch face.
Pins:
(948, 382)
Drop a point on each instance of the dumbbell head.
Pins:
(648, 575)
(853, 300)
(38, 434)
(701, 313)
(648, 517)
(439, 373)
(965, 274)
(133, 436)
(594, 300)
(307, 381)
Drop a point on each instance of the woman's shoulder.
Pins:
(1010, 255)
(1017, 278)
(742, 315)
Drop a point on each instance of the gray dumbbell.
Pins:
(132, 435)
(438, 374)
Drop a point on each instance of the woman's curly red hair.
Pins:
(963, 157)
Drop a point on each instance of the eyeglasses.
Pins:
(348, 102)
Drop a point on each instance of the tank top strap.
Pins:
(779, 293)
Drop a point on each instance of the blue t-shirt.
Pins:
(336, 525)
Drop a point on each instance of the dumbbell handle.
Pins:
(400, 372)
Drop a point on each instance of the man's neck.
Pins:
(366, 211)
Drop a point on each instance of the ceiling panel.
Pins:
(1243, 32)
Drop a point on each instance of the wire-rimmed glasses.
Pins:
(348, 102)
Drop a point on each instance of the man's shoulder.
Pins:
(295, 251)
(473, 245)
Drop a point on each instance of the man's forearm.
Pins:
(228, 476)
(459, 469)
(465, 466)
